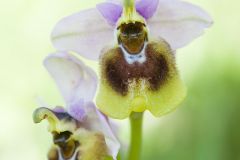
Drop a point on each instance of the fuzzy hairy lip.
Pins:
(153, 85)
(119, 73)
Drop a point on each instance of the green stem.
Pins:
(129, 3)
(136, 136)
(129, 7)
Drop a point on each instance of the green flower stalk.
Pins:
(136, 120)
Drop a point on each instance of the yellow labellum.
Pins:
(140, 96)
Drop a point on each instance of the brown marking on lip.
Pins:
(156, 69)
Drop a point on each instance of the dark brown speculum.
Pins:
(132, 36)
(155, 70)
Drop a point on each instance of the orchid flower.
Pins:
(80, 131)
(135, 43)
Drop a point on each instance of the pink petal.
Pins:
(77, 111)
(178, 22)
(110, 11)
(76, 81)
(147, 8)
(85, 33)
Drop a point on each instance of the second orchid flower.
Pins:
(79, 130)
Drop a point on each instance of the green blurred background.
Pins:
(205, 127)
